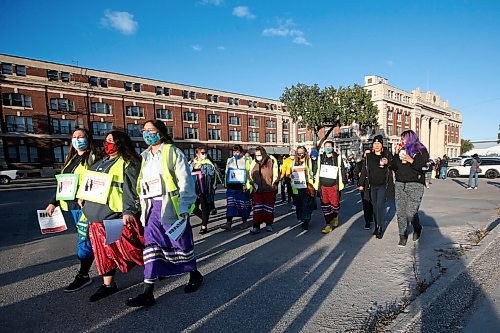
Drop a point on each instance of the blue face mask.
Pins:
(237, 156)
(80, 143)
(328, 150)
(151, 138)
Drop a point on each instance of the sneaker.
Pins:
(103, 292)
(335, 222)
(475, 188)
(213, 212)
(203, 230)
(254, 231)
(402, 240)
(469, 188)
(269, 228)
(379, 234)
(80, 282)
(141, 300)
(305, 225)
(294, 208)
(367, 225)
(226, 226)
(194, 282)
(417, 233)
(327, 229)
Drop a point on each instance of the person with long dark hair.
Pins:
(80, 157)
(304, 193)
(409, 159)
(364, 190)
(163, 163)
(205, 173)
(264, 178)
(122, 162)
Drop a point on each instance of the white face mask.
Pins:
(203, 156)
(258, 158)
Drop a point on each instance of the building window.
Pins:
(137, 87)
(270, 137)
(236, 101)
(65, 77)
(60, 153)
(134, 130)
(389, 130)
(192, 95)
(270, 124)
(190, 133)
(268, 106)
(103, 82)
(234, 120)
(170, 131)
(189, 152)
(253, 136)
(100, 108)
(164, 114)
(190, 116)
(101, 129)
(135, 111)
(62, 104)
(19, 124)
(20, 70)
(209, 97)
(127, 86)
(63, 126)
(398, 130)
(213, 119)
(93, 81)
(214, 134)
(389, 115)
(407, 119)
(216, 99)
(52, 75)
(166, 91)
(301, 125)
(345, 133)
(254, 122)
(230, 101)
(6, 68)
(185, 94)
(23, 154)
(234, 135)
(286, 125)
(301, 138)
(158, 90)
(11, 99)
(255, 104)
(250, 104)
(398, 117)
(286, 138)
(215, 154)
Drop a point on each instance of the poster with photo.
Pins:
(299, 177)
(95, 186)
(51, 224)
(151, 187)
(236, 176)
(67, 186)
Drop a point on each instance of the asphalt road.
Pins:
(287, 280)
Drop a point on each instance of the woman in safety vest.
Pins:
(80, 157)
(204, 171)
(303, 187)
(119, 168)
(165, 213)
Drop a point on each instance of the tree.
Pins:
(329, 107)
(465, 146)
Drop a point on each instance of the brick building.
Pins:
(42, 102)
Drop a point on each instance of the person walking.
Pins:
(80, 157)
(314, 165)
(443, 167)
(237, 183)
(264, 178)
(164, 254)
(438, 168)
(285, 176)
(122, 163)
(364, 190)
(428, 169)
(303, 187)
(377, 172)
(411, 156)
(330, 183)
(205, 173)
(475, 170)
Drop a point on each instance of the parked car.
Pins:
(490, 167)
(454, 161)
(6, 176)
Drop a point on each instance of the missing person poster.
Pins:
(95, 186)
(51, 224)
(67, 186)
(151, 187)
(299, 177)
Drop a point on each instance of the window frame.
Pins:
(108, 108)
(65, 77)
(19, 67)
(169, 113)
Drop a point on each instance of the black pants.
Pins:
(204, 212)
(378, 201)
(287, 182)
(367, 208)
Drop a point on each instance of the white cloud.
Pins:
(287, 28)
(121, 21)
(212, 2)
(243, 12)
(196, 47)
(221, 48)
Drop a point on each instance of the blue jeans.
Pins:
(442, 172)
(476, 176)
(378, 202)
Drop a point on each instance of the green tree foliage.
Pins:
(465, 146)
(329, 107)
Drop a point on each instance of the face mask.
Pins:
(292, 156)
(237, 156)
(110, 148)
(203, 156)
(258, 158)
(328, 150)
(151, 138)
(79, 143)
(313, 158)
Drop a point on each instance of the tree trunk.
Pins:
(320, 143)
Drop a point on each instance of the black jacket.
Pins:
(411, 173)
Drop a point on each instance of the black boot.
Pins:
(195, 281)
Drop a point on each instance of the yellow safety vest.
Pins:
(115, 198)
(79, 170)
(309, 177)
(167, 168)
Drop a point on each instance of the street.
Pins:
(287, 280)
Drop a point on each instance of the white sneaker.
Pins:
(469, 188)
(475, 188)
(293, 208)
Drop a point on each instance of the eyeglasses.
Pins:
(150, 130)
(203, 152)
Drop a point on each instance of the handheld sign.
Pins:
(151, 187)
(176, 229)
(299, 177)
(95, 187)
(114, 229)
(328, 171)
(67, 186)
(51, 224)
(236, 176)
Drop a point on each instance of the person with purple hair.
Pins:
(411, 156)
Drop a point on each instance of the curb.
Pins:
(407, 321)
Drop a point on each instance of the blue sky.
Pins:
(451, 47)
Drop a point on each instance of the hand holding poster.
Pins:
(95, 186)
(51, 224)
(299, 177)
(67, 186)
(176, 229)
